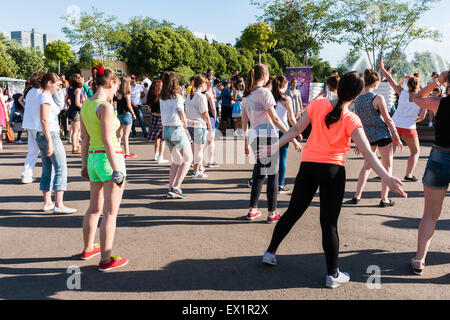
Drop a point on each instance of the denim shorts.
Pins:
(198, 135)
(176, 137)
(437, 173)
(125, 119)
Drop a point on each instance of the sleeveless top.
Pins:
(93, 126)
(442, 124)
(71, 93)
(122, 107)
(282, 113)
(407, 112)
(374, 126)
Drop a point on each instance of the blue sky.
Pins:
(222, 19)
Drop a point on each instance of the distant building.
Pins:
(32, 39)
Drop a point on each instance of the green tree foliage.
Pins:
(8, 67)
(230, 60)
(301, 26)
(103, 33)
(272, 63)
(58, 51)
(320, 69)
(285, 58)
(184, 73)
(258, 38)
(28, 60)
(384, 28)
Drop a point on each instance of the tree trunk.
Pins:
(59, 67)
(259, 56)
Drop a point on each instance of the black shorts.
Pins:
(74, 115)
(227, 113)
(382, 143)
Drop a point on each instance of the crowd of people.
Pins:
(266, 112)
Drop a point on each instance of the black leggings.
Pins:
(331, 180)
(265, 167)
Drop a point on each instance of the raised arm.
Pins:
(397, 88)
(431, 103)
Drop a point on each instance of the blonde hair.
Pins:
(125, 87)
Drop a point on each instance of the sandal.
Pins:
(417, 271)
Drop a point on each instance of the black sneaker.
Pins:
(283, 190)
(413, 179)
(355, 200)
(387, 204)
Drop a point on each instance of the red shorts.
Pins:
(407, 133)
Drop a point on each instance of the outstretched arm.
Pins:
(398, 89)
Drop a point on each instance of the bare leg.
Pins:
(90, 221)
(113, 196)
(363, 176)
(162, 147)
(157, 147)
(434, 199)
(126, 139)
(387, 157)
(414, 148)
(183, 169)
(47, 198)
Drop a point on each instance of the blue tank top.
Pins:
(373, 124)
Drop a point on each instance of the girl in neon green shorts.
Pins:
(104, 166)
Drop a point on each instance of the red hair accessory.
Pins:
(100, 70)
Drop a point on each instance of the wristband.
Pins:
(118, 178)
(394, 132)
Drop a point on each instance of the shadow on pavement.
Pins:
(234, 274)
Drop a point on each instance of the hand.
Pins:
(395, 185)
(382, 65)
(85, 173)
(443, 77)
(133, 116)
(397, 141)
(247, 150)
(357, 151)
(118, 178)
(297, 145)
(50, 150)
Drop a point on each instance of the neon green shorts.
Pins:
(100, 169)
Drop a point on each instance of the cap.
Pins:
(133, 77)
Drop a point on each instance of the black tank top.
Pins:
(71, 94)
(442, 124)
(122, 107)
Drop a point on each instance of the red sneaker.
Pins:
(89, 255)
(252, 216)
(131, 155)
(116, 262)
(274, 219)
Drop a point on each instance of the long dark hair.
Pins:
(277, 84)
(350, 86)
(154, 93)
(171, 88)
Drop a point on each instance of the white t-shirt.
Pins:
(147, 80)
(136, 94)
(407, 112)
(32, 114)
(282, 114)
(195, 108)
(53, 122)
(169, 111)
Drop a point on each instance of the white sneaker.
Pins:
(199, 175)
(28, 180)
(20, 142)
(333, 283)
(156, 157)
(270, 258)
(430, 125)
(48, 208)
(64, 211)
(161, 160)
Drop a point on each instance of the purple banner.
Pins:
(303, 77)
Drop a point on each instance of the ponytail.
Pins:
(256, 74)
(334, 115)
